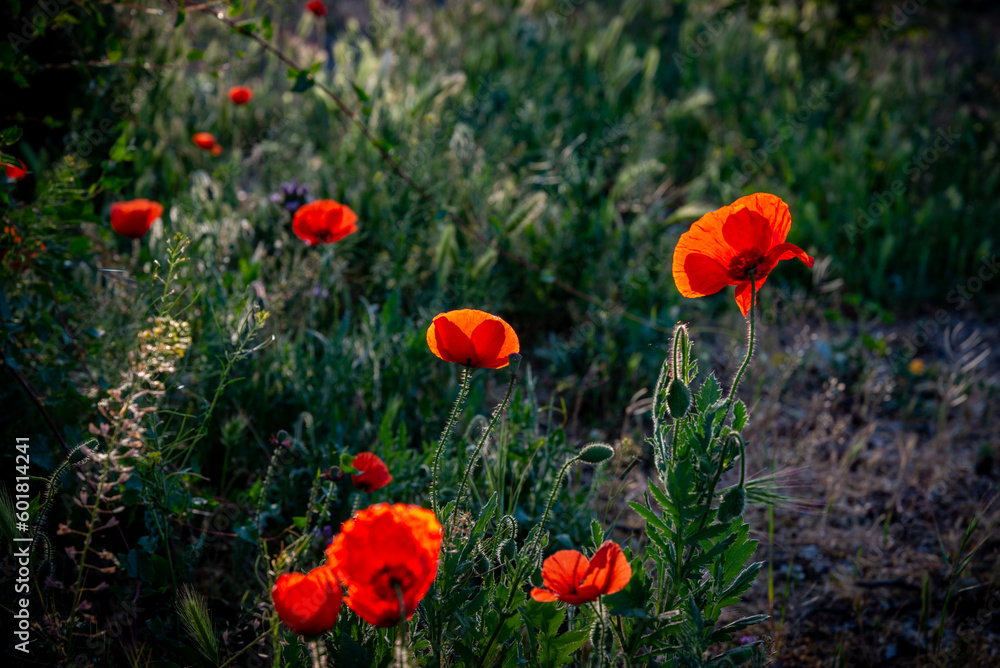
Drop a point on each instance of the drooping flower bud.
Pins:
(595, 453)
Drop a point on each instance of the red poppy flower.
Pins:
(374, 474)
(324, 222)
(723, 246)
(205, 140)
(472, 338)
(240, 94)
(383, 553)
(216, 150)
(569, 577)
(134, 218)
(308, 603)
(16, 173)
(316, 7)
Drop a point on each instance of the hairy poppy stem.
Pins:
(401, 655)
(555, 490)
(482, 441)
(439, 452)
(746, 360)
(318, 654)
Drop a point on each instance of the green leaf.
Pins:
(546, 617)
(194, 55)
(739, 415)
(268, 27)
(710, 555)
(708, 533)
(347, 463)
(742, 549)
(560, 650)
(302, 82)
(740, 584)
(651, 518)
(722, 634)
(709, 393)
(10, 135)
(362, 95)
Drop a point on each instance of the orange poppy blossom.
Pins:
(316, 7)
(216, 150)
(724, 246)
(308, 603)
(134, 218)
(570, 577)
(383, 554)
(15, 173)
(374, 474)
(323, 222)
(472, 338)
(205, 140)
(239, 95)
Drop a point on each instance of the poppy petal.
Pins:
(487, 338)
(563, 571)
(771, 207)
(702, 256)
(788, 252)
(748, 231)
(452, 342)
(472, 338)
(543, 595)
(382, 552)
(609, 571)
(698, 275)
(374, 474)
(743, 293)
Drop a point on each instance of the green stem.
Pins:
(620, 632)
(463, 393)
(482, 441)
(555, 490)
(746, 360)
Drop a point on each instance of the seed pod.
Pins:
(595, 453)
(678, 399)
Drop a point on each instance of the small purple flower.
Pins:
(320, 291)
(292, 196)
(748, 640)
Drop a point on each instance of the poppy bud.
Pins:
(732, 504)
(506, 551)
(678, 398)
(595, 453)
(679, 351)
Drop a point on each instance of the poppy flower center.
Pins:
(747, 261)
(391, 579)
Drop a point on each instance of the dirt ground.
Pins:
(887, 441)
